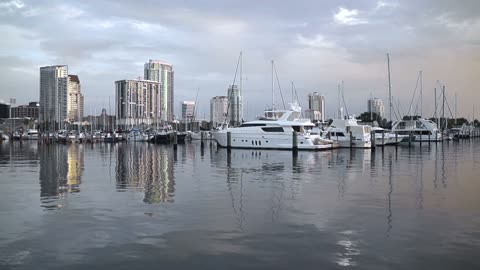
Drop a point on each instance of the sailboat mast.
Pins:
(421, 93)
(435, 114)
(455, 108)
(241, 74)
(273, 90)
(443, 107)
(389, 87)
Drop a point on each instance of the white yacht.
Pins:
(31, 134)
(340, 129)
(275, 130)
(385, 137)
(422, 130)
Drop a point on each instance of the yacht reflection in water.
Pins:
(146, 167)
(61, 169)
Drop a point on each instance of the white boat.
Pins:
(136, 135)
(197, 135)
(4, 137)
(31, 134)
(421, 130)
(274, 131)
(385, 137)
(348, 133)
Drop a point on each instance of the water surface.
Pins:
(144, 206)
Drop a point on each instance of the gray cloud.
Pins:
(317, 44)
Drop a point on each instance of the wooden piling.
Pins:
(351, 139)
(294, 141)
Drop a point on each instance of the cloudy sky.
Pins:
(315, 44)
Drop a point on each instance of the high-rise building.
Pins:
(316, 102)
(137, 102)
(235, 114)
(188, 110)
(375, 105)
(218, 110)
(159, 71)
(53, 96)
(75, 105)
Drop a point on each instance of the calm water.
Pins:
(143, 206)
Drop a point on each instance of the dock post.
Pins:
(294, 141)
(396, 138)
(229, 140)
(175, 140)
(351, 139)
(410, 139)
(372, 139)
(383, 138)
(202, 138)
(429, 139)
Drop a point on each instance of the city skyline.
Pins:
(315, 44)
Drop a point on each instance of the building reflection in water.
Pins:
(61, 170)
(146, 167)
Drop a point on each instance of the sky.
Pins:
(317, 45)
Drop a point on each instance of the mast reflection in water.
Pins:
(149, 168)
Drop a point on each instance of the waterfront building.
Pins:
(218, 110)
(137, 102)
(235, 113)
(375, 105)
(316, 103)
(75, 103)
(188, 110)
(159, 71)
(4, 110)
(53, 96)
(26, 111)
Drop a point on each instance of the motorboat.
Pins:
(348, 133)
(31, 134)
(385, 137)
(421, 130)
(162, 135)
(277, 129)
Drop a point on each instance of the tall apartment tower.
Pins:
(53, 96)
(235, 113)
(75, 104)
(218, 110)
(159, 71)
(137, 102)
(316, 103)
(376, 105)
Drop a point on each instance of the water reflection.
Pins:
(149, 168)
(61, 169)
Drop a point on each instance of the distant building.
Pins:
(218, 110)
(316, 102)
(104, 121)
(137, 102)
(235, 114)
(375, 105)
(75, 103)
(53, 96)
(4, 110)
(313, 115)
(159, 71)
(26, 111)
(188, 110)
